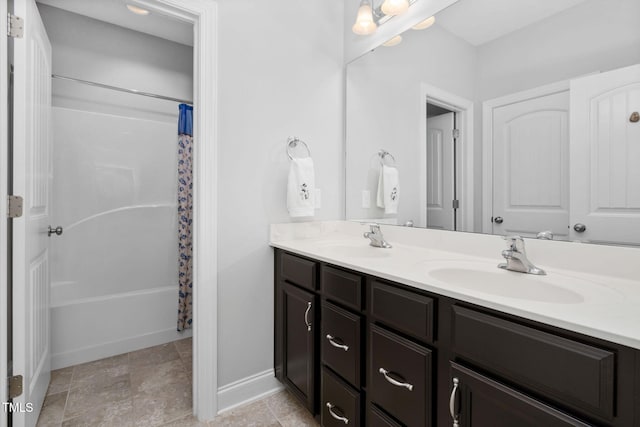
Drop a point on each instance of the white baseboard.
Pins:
(247, 390)
(88, 354)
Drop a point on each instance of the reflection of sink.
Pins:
(354, 249)
(487, 278)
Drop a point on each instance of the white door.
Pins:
(605, 157)
(531, 166)
(31, 180)
(440, 180)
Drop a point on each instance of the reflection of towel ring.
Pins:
(292, 142)
(384, 153)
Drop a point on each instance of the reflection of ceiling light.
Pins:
(137, 10)
(364, 21)
(393, 41)
(425, 24)
(394, 7)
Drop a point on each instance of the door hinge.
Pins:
(14, 206)
(15, 26)
(15, 386)
(455, 133)
(456, 204)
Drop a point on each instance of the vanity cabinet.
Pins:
(379, 353)
(296, 327)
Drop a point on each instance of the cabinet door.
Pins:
(299, 343)
(479, 401)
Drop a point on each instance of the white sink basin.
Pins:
(354, 249)
(487, 278)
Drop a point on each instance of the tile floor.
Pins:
(150, 387)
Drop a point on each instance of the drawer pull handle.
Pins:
(394, 382)
(306, 316)
(331, 339)
(336, 416)
(452, 403)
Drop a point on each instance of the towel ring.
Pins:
(292, 142)
(384, 153)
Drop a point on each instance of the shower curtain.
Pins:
(185, 215)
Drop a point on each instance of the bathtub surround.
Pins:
(185, 217)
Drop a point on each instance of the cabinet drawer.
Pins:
(376, 418)
(341, 342)
(572, 373)
(340, 403)
(484, 402)
(405, 311)
(342, 286)
(400, 377)
(298, 270)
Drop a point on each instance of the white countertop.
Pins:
(590, 289)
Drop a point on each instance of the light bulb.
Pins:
(364, 21)
(137, 10)
(393, 41)
(425, 24)
(394, 7)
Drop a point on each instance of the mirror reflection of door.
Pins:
(531, 166)
(441, 168)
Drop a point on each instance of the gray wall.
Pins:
(280, 74)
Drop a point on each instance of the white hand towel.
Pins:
(300, 188)
(388, 195)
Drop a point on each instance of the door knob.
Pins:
(57, 231)
(498, 220)
(580, 228)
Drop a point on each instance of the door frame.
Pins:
(202, 14)
(4, 182)
(487, 139)
(464, 122)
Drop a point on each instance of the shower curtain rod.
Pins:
(119, 89)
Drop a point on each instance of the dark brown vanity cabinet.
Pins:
(362, 351)
(296, 327)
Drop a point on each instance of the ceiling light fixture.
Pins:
(425, 24)
(137, 10)
(394, 7)
(365, 24)
(393, 41)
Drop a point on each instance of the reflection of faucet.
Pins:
(545, 235)
(517, 258)
(375, 235)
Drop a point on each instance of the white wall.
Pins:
(384, 111)
(114, 269)
(280, 74)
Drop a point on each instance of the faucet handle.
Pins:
(515, 242)
(374, 227)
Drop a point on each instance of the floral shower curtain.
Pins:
(185, 215)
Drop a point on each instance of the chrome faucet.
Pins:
(517, 258)
(375, 235)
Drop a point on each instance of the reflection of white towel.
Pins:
(388, 190)
(300, 187)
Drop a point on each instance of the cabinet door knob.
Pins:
(57, 231)
(330, 406)
(306, 316)
(332, 341)
(580, 228)
(452, 403)
(395, 382)
(498, 220)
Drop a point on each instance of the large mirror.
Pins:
(502, 117)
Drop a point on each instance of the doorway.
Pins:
(447, 165)
(442, 202)
(198, 13)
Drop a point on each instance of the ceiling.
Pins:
(480, 21)
(115, 12)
